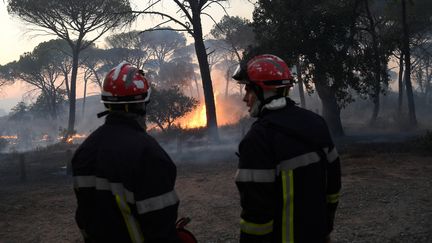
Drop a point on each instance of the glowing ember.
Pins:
(71, 139)
(9, 137)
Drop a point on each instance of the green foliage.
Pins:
(162, 54)
(19, 111)
(178, 72)
(321, 32)
(73, 21)
(235, 30)
(167, 106)
(43, 106)
(419, 16)
(6, 75)
(42, 69)
(425, 141)
(60, 14)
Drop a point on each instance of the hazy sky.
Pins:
(17, 38)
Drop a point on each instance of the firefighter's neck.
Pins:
(141, 120)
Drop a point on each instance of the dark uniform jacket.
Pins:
(124, 185)
(288, 178)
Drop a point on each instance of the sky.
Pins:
(18, 38)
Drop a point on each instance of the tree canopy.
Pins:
(42, 69)
(72, 21)
(169, 105)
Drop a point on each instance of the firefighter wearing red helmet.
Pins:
(288, 174)
(123, 179)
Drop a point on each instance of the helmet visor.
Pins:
(240, 74)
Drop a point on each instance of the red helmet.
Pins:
(125, 84)
(267, 71)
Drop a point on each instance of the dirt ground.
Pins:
(386, 197)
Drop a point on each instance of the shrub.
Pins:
(425, 141)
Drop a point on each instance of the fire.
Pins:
(71, 139)
(44, 138)
(9, 137)
(197, 118)
(227, 112)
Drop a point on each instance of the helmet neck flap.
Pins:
(270, 99)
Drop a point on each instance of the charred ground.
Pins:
(386, 195)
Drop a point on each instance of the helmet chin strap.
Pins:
(127, 109)
(255, 109)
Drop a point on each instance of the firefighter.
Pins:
(288, 174)
(123, 179)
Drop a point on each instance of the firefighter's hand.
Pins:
(184, 235)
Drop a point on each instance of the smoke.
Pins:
(189, 145)
(33, 132)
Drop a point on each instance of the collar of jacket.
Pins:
(126, 119)
(277, 104)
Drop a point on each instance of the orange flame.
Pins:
(9, 137)
(71, 139)
(197, 118)
(226, 113)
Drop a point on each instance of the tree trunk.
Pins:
(400, 84)
(428, 84)
(84, 98)
(206, 78)
(191, 91)
(377, 65)
(54, 106)
(96, 75)
(376, 107)
(67, 84)
(197, 87)
(72, 97)
(227, 80)
(330, 108)
(407, 54)
(300, 85)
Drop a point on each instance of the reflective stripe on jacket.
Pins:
(124, 184)
(289, 175)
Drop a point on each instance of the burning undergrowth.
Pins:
(193, 144)
(229, 110)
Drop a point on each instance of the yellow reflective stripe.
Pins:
(288, 206)
(291, 203)
(333, 198)
(256, 229)
(131, 223)
(284, 213)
